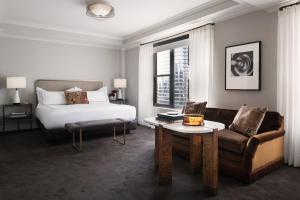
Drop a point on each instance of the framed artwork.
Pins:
(243, 70)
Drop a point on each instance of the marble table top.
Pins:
(179, 127)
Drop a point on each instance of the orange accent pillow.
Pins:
(77, 97)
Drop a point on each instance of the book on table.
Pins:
(169, 117)
(17, 114)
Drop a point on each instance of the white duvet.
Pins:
(56, 116)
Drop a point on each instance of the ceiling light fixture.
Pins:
(100, 10)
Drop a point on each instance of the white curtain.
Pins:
(201, 43)
(288, 80)
(145, 87)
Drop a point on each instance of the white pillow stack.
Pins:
(74, 89)
(58, 97)
(98, 96)
(53, 97)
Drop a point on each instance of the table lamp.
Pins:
(120, 83)
(16, 83)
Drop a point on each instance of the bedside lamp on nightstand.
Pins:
(16, 83)
(120, 83)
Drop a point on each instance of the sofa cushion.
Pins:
(232, 141)
(228, 156)
(271, 122)
(212, 114)
(224, 116)
(248, 120)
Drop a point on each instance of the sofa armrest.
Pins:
(251, 147)
(253, 144)
(255, 140)
(266, 136)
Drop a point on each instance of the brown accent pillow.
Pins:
(77, 97)
(194, 108)
(248, 120)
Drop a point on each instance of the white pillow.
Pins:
(39, 93)
(74, 89)
(53, 97)
(50, 97)
(98, 95)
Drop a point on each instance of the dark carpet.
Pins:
(33, 169)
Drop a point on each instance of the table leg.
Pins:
(195, 153)
(3, 124)
(31, 122)
(3, 119)
(210, 162)
(164, 156)
(75, 146)
(80, 137)
(156, 146)
(18, 124)
(73, 137)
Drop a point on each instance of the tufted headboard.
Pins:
(62, 85)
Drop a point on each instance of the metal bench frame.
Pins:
(79, 147)
(124, 134)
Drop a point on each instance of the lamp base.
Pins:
(119, 94)
(16, 100)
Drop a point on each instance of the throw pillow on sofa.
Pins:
(248, 120)
(194, 108)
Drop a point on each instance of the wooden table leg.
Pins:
(195, 153)
(156, 146)
(210, 162)
(164, 156)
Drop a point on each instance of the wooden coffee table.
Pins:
(206, 134)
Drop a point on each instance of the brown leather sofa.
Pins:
(244, 158)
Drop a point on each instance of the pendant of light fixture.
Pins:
(100, 10)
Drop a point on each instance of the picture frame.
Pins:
(243, 66)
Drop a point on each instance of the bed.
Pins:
(52, 118)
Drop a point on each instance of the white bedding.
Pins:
(56, 116)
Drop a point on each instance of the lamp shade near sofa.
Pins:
(16, 83)
(120, 83)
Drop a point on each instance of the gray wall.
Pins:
(131, 73)
(243, 29)
(43, 60)
(248, 28)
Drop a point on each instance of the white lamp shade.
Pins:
(16, 82)
(120, 83)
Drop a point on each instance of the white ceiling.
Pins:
(265, 4)
(51, 19)
(131, 15)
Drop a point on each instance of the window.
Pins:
(171, 77)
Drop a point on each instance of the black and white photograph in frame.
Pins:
(243, 66)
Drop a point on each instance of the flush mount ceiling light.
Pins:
(100, 10)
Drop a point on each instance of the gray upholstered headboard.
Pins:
(62, 85)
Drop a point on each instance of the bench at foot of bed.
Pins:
(81, 127)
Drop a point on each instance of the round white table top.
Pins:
(179, 127)
(154, 122)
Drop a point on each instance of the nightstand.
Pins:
(119, 101)
(17, 112)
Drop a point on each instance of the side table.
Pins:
(119, 101)
(16, 112)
